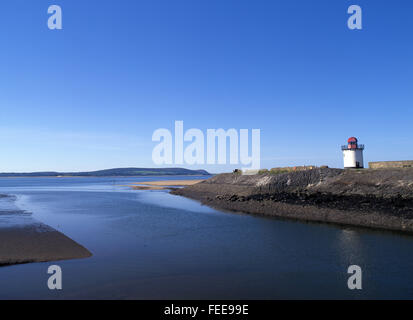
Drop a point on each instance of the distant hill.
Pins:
(124, 172)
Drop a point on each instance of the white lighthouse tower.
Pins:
(353, 154)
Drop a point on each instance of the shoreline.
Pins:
(305, 214)
(320, 196)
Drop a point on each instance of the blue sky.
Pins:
(91, 95)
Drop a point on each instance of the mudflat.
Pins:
(37, 243)
(24, 239)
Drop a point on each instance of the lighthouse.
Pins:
(353, 154)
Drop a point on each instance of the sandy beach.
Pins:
(162, 185)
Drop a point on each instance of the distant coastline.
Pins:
(117, 172)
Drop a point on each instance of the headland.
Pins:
(380, 199)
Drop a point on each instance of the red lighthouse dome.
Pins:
(352, 143)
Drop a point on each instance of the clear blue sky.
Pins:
(90, 96)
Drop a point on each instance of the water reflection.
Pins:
(350, 247)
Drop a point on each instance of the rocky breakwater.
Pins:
(381, 199)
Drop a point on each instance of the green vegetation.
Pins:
(276, 171)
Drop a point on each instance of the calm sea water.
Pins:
(152, 245)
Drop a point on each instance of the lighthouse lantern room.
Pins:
(353, 154)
